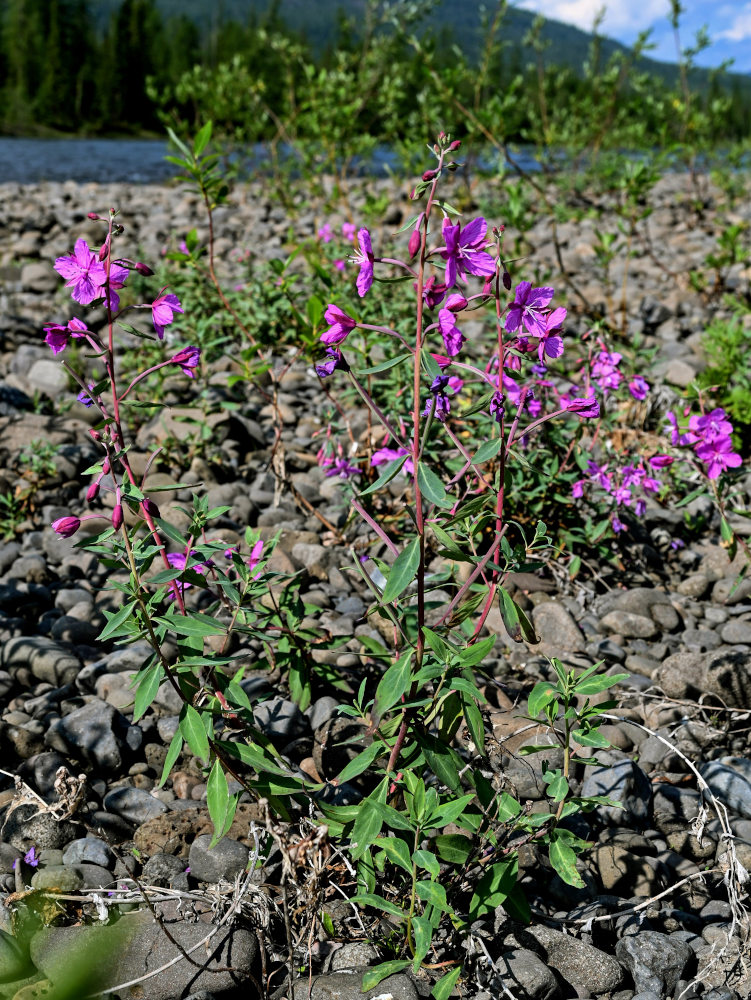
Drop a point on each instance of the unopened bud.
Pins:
(429, 175)
(93, 491)
(506, 280)
(144, 269)
(93, 216)
(104, 249)
(456, 302)
(452, 166)
(66, 526)
(487, 288)
(96, 436)
(455, 145)
(150, 508)
(414, 243)
(117, 517)
(106, 467)
(436, 149)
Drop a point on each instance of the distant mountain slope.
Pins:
(461, 23)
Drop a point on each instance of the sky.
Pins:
(728, 23)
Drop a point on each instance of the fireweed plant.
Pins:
(430, 835)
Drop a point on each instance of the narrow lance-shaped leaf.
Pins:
(403, 571)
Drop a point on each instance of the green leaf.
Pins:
(328, 923)
(486, 451)
(563, 859)
(590, 738)
(114, 621)
(450, 548)
(170, 531)
(384, 365)
(428, 861)
(510, 615)
(362, 762)
(558, 788)
(473, 717)
(217, 799)
(194, 732)
(373, 976)
(516, 905)
(429, 364)
(541, 695)
(379, 903)
(431, 486)
(422, 931)
(393, 684)
(454, 848)
(477, 652)
(445, 985)
(402, 572)
(147, 690)
(444, 762)
(192, 623)
(396, 850)
(202, 140)
(598, 682)
(433, 893)
(449, 811)
(173, 752)
(493, 888)
(391, 470)
(367, 827)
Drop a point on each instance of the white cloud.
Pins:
(620, 18)
(740, 27)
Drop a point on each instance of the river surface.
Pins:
(136, 161)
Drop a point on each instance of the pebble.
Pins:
(224, 860)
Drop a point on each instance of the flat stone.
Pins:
(135, 805)
(624, 873)
(625, 783)
(224, 860)
(579, 963)
(524, 971)
(629, 625)
(346, 986)
(557, 628)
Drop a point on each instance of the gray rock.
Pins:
(63, 877)
(579, 963)
(523, 970)
(557, 628)
(681, 675)
(346, 986)
(107, 956)
(48, 660)
(14, 963)
(357, 954)
(224, 860)
(729, 785)
(728, 674)
(321, 711)
(133, 804)
(162, 869)
(38, 277)
(630, 625)
(700, 640)
(656, 961)
(48, 377)
(90, 850)
(627, 784)
(736, 632)
(281, 718)
(95, 876)
(26, 827)
(96, 734)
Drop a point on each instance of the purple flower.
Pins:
(57, 336)
(622, 495)
(605, 370)
(640, 507)
(341, 467)
(85, 397)
(390, 455)
(341, 326)
(455, 384)
(526, 308)
(577, 490)
(650, 485)
(364, 257)
(433, 292)
(188, 359)
(118, 277)
(453, 338)
(661, 461)
(464, 253)
(638, 387)
(584, 408)
(31, 858)
(348, 230)
(718, 455)
(255, 557)
(496, 407)
(339, 264)
(163, 310)
(84, 273)
(335, 359)
(711, 425)
(677, 544)
(324, 233)
(178, 561)
(551, 343)
(676, 438)
(631, 476)
(66, 526)
(617, 524)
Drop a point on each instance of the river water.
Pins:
(136, 161)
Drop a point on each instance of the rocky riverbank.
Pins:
(654, 920)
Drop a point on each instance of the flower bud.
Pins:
(506, 280)
(149, 508)
(93, 491)
(104, 250)
(106, 466)
(452, 166)
(429, 175)
(66, 526)
(455, 145)
(94, 433)
(117, 517)
(93, 216)
(456, 302)
(144, 269)
(414, 243)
